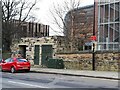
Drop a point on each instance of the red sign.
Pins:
(93, 38)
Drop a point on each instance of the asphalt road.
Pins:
(41, 80)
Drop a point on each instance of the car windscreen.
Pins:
(21, 60)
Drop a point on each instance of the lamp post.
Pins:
(93, 52)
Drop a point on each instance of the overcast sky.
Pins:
(43, 13)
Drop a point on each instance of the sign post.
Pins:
(93, 39)
(93, 60)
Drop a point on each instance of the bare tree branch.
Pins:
(58, 13)
(14, 10)
(62, 14)
(30, 8)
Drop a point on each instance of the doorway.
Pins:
(23, 50)
(47, 52)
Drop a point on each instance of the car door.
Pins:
(9, 64)
(6, 64)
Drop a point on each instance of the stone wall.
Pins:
(29, 44)
(104, 61)
(108, 61)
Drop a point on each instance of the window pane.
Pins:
(8, 60)
(21, 60)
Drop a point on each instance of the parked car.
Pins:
(15, 64)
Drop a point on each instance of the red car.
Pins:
(15, 64)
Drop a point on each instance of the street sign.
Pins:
(93, 38)
(88, 43)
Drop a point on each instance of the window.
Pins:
(11, 60)
(21, 60)
(8, 60)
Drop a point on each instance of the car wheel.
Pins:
(12, 70)
(27, 70)
(1, 69)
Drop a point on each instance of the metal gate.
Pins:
(47, 52)
(36, 54)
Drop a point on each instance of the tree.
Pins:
(14, 10)
(58, 13)
(75, 23)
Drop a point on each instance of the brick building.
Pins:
(106, 19)
(79, 28)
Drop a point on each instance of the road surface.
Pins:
(41, 80)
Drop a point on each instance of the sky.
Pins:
(43, 13)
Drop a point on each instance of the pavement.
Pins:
(82, 73)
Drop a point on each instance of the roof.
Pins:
(80, 8)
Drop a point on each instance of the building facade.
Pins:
(79, 28)
(31, 29)
(108, 25)
(37, 49)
